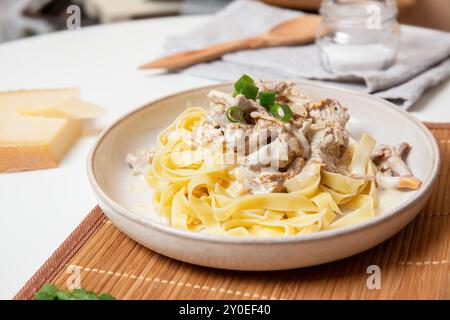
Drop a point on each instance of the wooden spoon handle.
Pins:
(188, 58)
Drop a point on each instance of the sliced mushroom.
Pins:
(391, 158)
(394, 173)
(393, 182)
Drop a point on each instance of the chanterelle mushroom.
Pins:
(392, 182)
(394, 173)
(392, 158)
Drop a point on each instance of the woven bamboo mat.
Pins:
(415, 263)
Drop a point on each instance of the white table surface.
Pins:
(39, 209)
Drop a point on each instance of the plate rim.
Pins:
(423, 192)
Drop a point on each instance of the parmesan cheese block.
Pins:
(40, 139)
(72, 108)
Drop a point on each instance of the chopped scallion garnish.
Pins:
(240, 83)
(266, 98)
(281, 112)
(249, 90)
(235, 114)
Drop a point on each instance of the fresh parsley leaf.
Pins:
(64, 295)
(106, 296)
(47, 292)
(51, 292)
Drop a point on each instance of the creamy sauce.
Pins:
(391, 198)
(273, 151)
(387, 199)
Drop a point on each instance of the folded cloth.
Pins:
(423, 58)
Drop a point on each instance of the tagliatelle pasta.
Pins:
(283, 166)
(190, 191)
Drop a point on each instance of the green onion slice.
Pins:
(281, 112)
(235, 114)
(240, 83)
(266, 98)
(249, 90)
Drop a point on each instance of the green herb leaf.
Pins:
(64, 295)
(51, 292)
(106, 296)
(47, 292)
(82, 294)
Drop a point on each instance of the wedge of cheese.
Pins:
(37, 127)
(72, 108)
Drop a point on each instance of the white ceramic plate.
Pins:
(127, 201)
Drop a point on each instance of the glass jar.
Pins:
(358, 34)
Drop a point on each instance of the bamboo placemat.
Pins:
(415, 263)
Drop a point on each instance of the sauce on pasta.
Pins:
(266, 161)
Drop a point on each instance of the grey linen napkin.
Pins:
(423, 59)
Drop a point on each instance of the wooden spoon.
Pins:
(299, 30)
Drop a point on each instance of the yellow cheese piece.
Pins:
(72, 108)
(34, 142)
